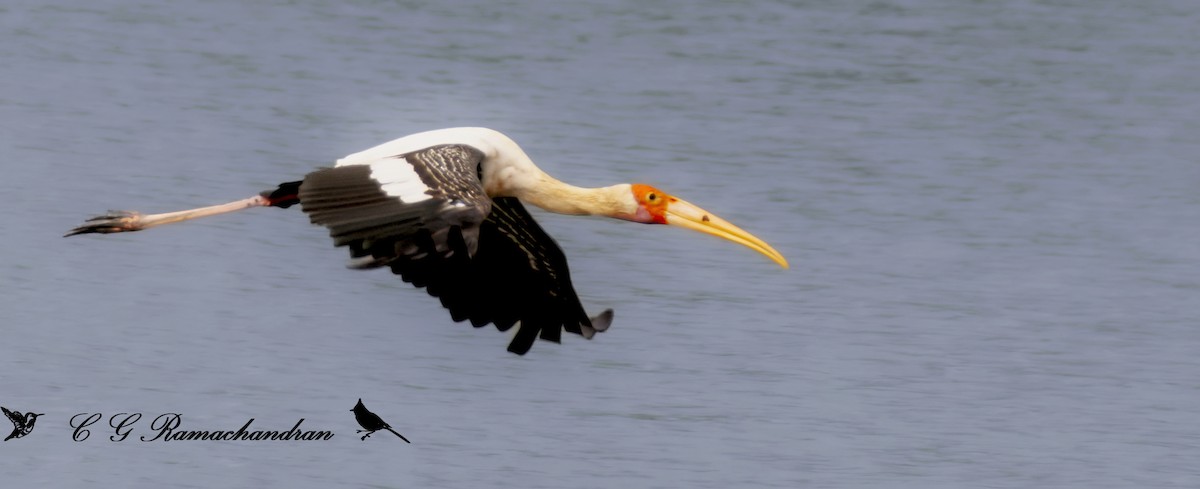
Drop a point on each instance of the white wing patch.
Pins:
(398, 179)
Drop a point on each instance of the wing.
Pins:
(397, 200)
(425, 215)
(519, 276)
(15, 416)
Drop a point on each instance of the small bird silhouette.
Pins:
(372, 422)
(22, 423)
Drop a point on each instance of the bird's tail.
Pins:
(399, 435)
(287, 195)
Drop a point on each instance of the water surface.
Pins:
(989, 209)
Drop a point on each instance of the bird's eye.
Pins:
(652, 197)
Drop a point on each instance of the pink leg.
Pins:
(125, 221)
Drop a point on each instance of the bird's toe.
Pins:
(110, 222)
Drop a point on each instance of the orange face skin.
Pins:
(657, 207)
(653, 201)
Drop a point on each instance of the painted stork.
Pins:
(443, 210)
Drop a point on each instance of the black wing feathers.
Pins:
(15, 416)
(354, 208)
(486, 260)
(540, 294)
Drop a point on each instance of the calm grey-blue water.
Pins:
(990, 210)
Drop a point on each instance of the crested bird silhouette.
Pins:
(372, 422)
(22, 423)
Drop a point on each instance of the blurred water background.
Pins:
(990, 209)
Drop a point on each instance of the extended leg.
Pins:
(125, 221)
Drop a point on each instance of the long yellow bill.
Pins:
(684, 214)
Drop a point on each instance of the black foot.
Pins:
(112, 222)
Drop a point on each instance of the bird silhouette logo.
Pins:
(371, 422)
(22, 423)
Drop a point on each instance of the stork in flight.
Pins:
(443, 210)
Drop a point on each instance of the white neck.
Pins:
(555, 196)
